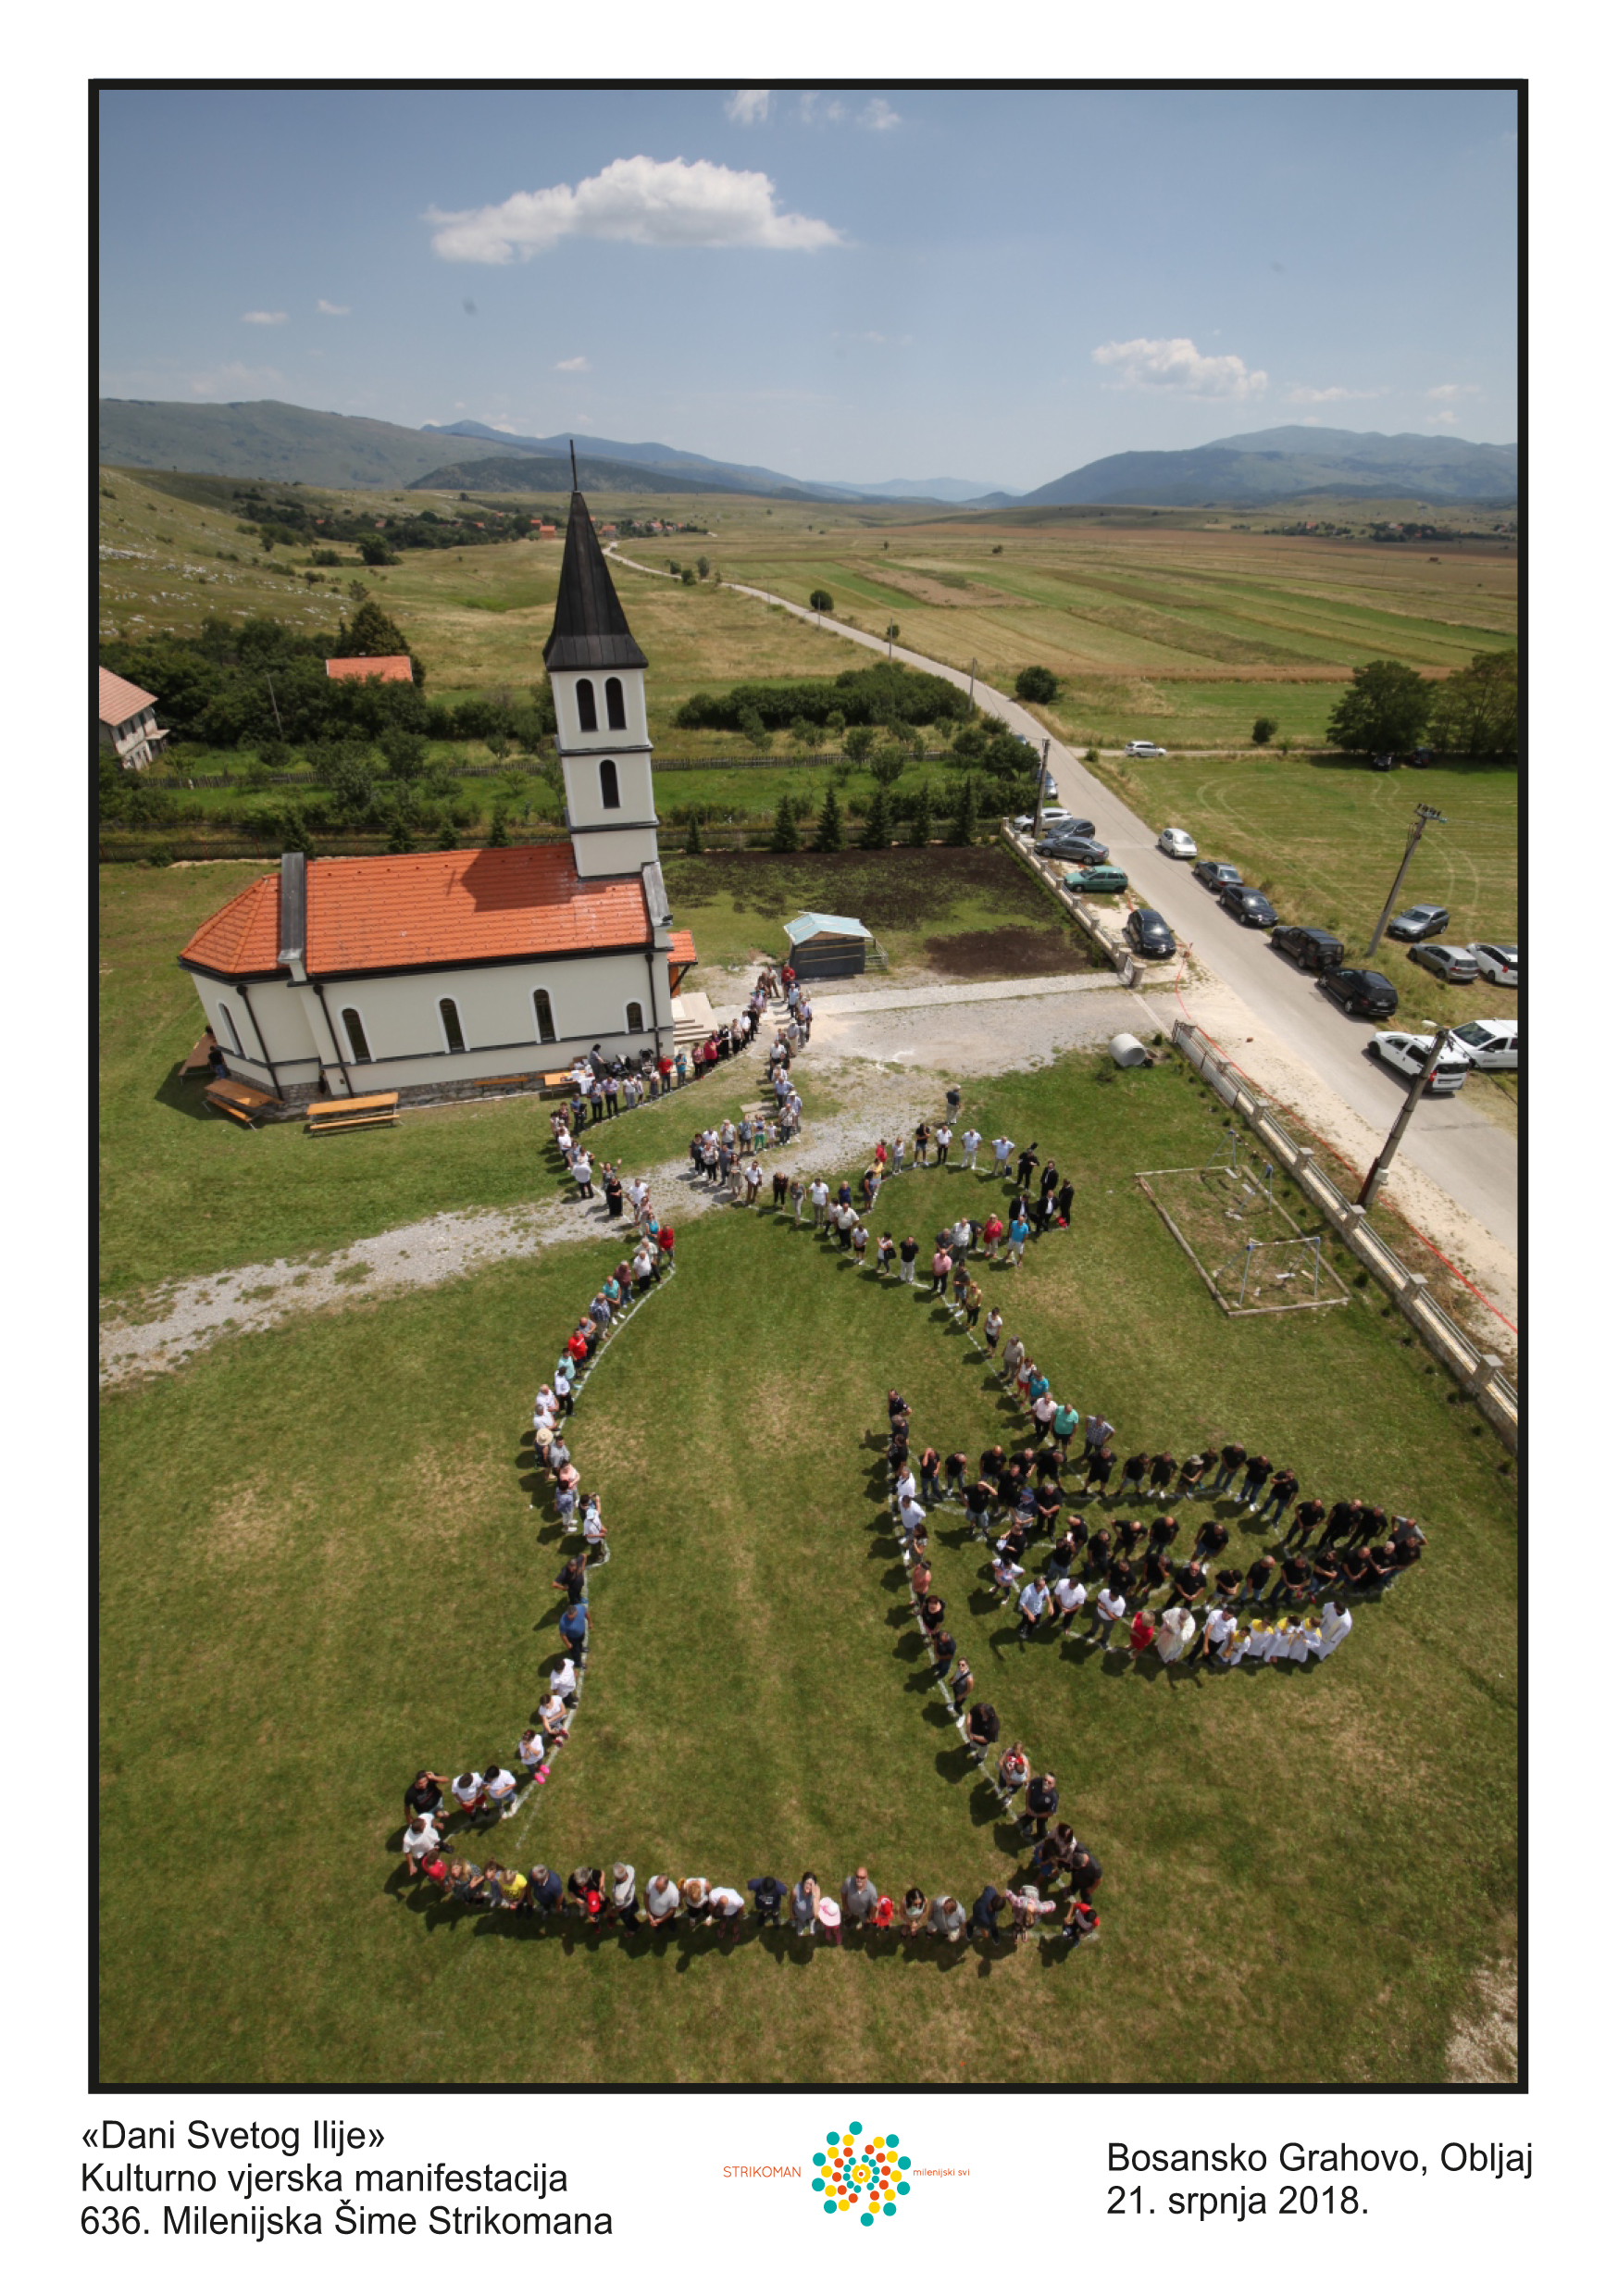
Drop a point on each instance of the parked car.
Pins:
(1056, 826)
(1421, 755)
(1488, 1044)
(1177, 845)
(1216, 874)
(1101, 879)
(1143, 748)
(1051, 815)
(1443, 959)
(1310, 949)
(1409, 1056)
(1371, 994)
(1078, 850)
(1424, 922)
(1247, 904)
(1147, 933)
(1385, 763)
(1496, 962)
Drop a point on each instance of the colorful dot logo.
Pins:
(860, 2176)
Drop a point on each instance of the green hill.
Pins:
(265, 439)
(544, 474)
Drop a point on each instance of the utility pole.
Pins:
(1378, 1172)
(972, 680)
(275, 705)
(1044, 754)
(1423, 813)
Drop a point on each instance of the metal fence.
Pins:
(1480, 1374)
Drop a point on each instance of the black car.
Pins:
(1082, 852)
(1384, 763)
(1372, 995)
(1147, 932)
(1312, 950)
(1214, 874)
(1248, 904)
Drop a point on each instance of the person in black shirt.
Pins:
(1407, 1542)
(955, 1473)
(1292, 1585)
(1154, 1574)
(1328, 1575)
(1121, 1579)
(1060, 1557)
(1254, 1476)
(1026, 1163)
(1191, 1581)
(1014, 1547)
(1048, 1505)
(1135, 1468)
(1211, 1541)
(1099, 1471)
(1379, 1569)
(1283, 1490)
(1356, 1571)
(979, 1506)
(1344, 1527)
(1306, 1522)
(986, 1913)
(1227, 1586)
(1372, 1524)
(1048, 1178)
(932, 1613)
(1126, 1536)
(1086, 1872)
(422, 1796)
(943, 1646)
(1040, 1801)
(982, 1729)
(1098, 1548)
(571, 1578)
(1231, 1457)
(1064, 1202)
(1165, 1529)
(1258, 1579)
(1161, 1475)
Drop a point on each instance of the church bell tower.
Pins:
(598, 677)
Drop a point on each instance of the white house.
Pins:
(128, 721)
(430, 974)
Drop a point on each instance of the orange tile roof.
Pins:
(395, 667)
(120, 700)
(243, 937)
(682, 947)
(374, 912)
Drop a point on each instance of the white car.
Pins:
(1409, 1056)
(1143, 748)
(1496, 961)
(1177, 845)
(1489, 1043)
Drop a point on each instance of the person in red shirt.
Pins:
(577, 1346)
(666, 1243)
(1143, 1628)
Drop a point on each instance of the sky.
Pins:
(852, 285)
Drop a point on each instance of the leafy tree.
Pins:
(406, 752)
(861, 741)
(447, 839)
(803, 733)
(878, 835)
(921, 815)
(964, 828)
(689, 577)
(1386, 707)
(1474, 712)
(820, 602)
(893, 629)
(374, 550)
(753, 728)
(112, 791)
(497, 746)
(399, 837)
(498, 832)
(784, 836)
(828, 829)
(369, 631)
(1034, 684)
(1265, 730)
(346, 769)
(694, 833)
(703, 568)
(887, 765)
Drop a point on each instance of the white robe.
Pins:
(1335, 1627)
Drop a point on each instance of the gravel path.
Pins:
(883, 1068)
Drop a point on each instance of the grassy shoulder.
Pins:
(320, 1615)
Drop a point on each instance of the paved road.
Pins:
(1473, 1160)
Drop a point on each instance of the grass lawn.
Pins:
(351, 1582)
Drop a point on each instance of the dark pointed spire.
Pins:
(590, 631)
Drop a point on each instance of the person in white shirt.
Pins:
(1109, 1607)
(1006, 1574)
(553, 1719)
(1336, 1622)
(1174, 1633)
(468, 1790)
(727, 1906)
(1261, 1639)
(420, 1839)
(694, 1895)
(912, 1516)
(943, 1137)
(905, 1487)
(1237, 1645)
(1306, 1642)
(500, 1787)
(1033, 1602)
(1220, 1626)
(1003, 1152)
(970, 1143)
(565, 1680)
(1069, 1602)
(1281, 1640)
(662, 1900)
(819, 1196)
(531, 1750)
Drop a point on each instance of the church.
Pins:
(435, 974)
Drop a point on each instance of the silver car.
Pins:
(1177, 845)
(1445, 959)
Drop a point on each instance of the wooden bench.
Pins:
(241, 1102)
(352, 1114)
(199, 1060)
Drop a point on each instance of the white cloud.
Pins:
(1453, 390)
(333, 310)
(1305, 396)
(870, 335)
(234, 379)
(264, 318)
(749, 108)
(813, 108)
(1445, 414)
(573, 367)
(652, 203)
(879, 115)
(1174, 363)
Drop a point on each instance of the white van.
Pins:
(1487, 1043)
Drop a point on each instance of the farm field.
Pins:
(286, 1636)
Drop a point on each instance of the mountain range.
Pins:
(269, 439)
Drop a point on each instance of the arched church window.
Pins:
(609, 785)
(615, 702)
(586, 706)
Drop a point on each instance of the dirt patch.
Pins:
(887, 890)
(1483, 2047)
(253, 1522)
(1013, 951)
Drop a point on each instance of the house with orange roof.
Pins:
(432, 974)
(128, 724)
(391, 668)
